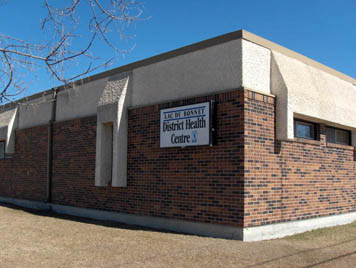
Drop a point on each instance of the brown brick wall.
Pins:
(292, 180)
(24, 175)
(246, 179)
(195, 183)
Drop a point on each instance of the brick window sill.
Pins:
(307, 141)
(340, 146)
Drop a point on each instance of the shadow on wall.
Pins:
(277, 146)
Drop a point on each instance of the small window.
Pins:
(339, 136)
(305, 130)
(2, 150)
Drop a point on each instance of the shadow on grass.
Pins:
(105, 223)
(112, 224)
(308, 251)
(331, 259)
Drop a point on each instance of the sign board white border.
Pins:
(188, 125)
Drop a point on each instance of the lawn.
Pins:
(31, 239)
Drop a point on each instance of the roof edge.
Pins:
(141, 63)
(290, 53)
(240, 34)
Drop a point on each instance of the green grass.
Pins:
(326, 233)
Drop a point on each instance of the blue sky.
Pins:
(323, 30)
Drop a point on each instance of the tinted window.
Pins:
(2, 149)
(304, 130)
(330, 135)
(339, 136)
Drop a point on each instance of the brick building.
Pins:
(278, 158)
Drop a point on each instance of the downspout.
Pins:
(50, 146)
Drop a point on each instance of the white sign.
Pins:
(186, 125)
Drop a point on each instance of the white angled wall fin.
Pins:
(111, 137)
(284, 116)
(306, 92)
(8, 125)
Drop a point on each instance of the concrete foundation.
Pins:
(266, 232)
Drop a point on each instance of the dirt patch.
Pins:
(32, 239)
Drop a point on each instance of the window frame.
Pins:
(338, 129)
(4, 146)
(305, 122)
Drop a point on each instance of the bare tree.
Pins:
(60, 52)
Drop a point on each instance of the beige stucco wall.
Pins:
(226, 66)
(200, 72)
(205, 71)
(222, 67)
(80, 101)
(306, 92)
(36, 112)
(256, 67)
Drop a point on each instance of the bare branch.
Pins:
(60, 53)
(10, 75)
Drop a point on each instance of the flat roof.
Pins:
(241, 34)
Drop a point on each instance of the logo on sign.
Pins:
(195, 137)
